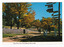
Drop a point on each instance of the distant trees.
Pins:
(36, 23)
(46, 23)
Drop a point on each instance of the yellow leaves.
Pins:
(25, 15)
(25, 11)
(44, 23)
(36, 23)
(52, 25)
(22, 5)
(28, 18)
(55, 26)
(13, 10)
(17, 12)
(4, 6)
(19, 20)
(22, 9)
(29, 5)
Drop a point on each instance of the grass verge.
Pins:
(11, 35)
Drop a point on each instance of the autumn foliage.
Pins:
(17, 14)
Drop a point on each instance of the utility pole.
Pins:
(59, 21)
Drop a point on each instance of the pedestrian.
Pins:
(24, 31)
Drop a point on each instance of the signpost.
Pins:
(50, 10)
(55, 17)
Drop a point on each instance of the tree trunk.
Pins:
(18, 25)
(11, 25)
(18, 21)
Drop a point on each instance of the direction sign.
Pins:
(56, 14)
(55, 11)
(55, 17)
(50, 10)
(49, 5)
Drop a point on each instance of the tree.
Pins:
(36, 23)
(46, 23)
(14, 12)
(6, 9)
(20, 9)
(9, 15)
(28, 19)
(4, 6)
(3, 10)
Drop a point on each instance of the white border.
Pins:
(39, 43)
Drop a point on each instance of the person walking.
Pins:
(24, 31)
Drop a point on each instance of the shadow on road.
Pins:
(38, 38)
(42, 39)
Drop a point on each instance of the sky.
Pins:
(40, 9)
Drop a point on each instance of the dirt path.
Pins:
(7, 39)
(17, 38)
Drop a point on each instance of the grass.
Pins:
(53, 34)
(11, 35)
(13, 27)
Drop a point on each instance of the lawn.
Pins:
(11, 35)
